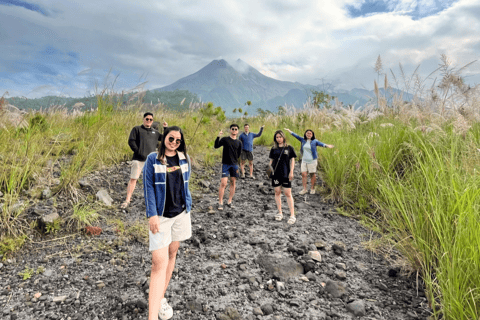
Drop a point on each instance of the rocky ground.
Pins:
(239, 264)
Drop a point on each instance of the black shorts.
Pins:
(284, 182)
(246, 155)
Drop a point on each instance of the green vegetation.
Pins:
(27, 273)
(178, 100)
(408, 168)
(83, 215)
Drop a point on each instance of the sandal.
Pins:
(230, 205)
(220, 206)
(279, 216)
(125, 205)
(292, 220)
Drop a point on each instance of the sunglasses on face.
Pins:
(171, 139)
(234, 129)
(148, 119)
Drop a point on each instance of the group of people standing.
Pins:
(168, 200)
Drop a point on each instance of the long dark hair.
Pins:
(275, 140)
(182, 147)
(305, 134)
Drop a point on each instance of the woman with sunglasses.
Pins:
(168, 203)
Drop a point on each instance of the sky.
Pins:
(79, 48)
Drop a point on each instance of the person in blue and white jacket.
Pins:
(168, 203)
(309, 157)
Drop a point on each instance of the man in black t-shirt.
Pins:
(231, 152)
(142, 140)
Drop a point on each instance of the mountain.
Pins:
(231, 86)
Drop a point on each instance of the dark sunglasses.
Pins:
(234, 129)
(148, 119)
(171, 139)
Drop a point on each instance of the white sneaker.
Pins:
(312, 191)
(303, 191)
(166, 312)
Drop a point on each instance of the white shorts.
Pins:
(309, 167)
(178, 228)
(137, 167)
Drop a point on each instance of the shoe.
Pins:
(292, 220)
(303, 191)
(279, 216)
(312, 191)
(242, 176)
(252, 177)
(220, 206)
(166, 312)
(230, 205)
(125, 205)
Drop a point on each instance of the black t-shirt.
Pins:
(231, 149)
(174, 202)
(283, 168)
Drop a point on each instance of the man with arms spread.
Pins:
(231, 152)
(143, 140)
(247, 141)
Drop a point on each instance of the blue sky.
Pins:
(76, 48)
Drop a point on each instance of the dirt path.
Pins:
(239, 264)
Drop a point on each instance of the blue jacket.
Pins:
(154, 183)
(247, 140)
(314, 144)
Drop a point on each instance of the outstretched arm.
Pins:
(259, 132)
(294, 134)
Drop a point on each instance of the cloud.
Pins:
(83, 45)
(25, 5)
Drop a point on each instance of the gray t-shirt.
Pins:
(307, 152)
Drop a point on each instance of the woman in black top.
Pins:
(168, 203)
(282, 159)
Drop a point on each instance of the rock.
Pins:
(46, 193)
(340, 265)
(205, 183)
(336, 289)
(233, 313)
(309, 266)
(311, 276)
(357, 307)
(267, 309)
(280, 267)
(48, 219)
(84, 185)
(341, 275)
(103, 196)
(338, 248)
(194, 305)
(393, 272)
(59, 299)
(315, 255)
(142, 303)
(280, 286)
(257, 311)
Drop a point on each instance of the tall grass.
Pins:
(410, 167)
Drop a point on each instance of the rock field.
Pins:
(239, 263)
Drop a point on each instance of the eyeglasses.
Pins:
(171, 139)
(234, 129)
(148, 119)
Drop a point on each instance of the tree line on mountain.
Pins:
(178, 100)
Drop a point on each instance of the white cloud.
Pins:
(167, 40)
